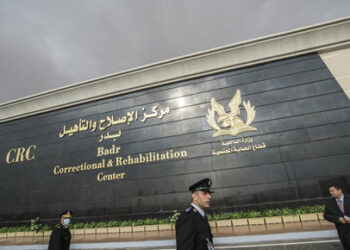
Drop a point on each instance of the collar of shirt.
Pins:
(341, 199)
(199, 209)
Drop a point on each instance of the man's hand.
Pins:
(342, 220)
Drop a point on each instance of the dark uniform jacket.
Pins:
(332, 213)
(60, 238)
(192, 231)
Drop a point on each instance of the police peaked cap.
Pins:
(66, 214)
(202, 185)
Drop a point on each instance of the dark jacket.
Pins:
(192, 231)
(60, 238)
(332, 211)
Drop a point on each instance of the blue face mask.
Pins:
(66, 222)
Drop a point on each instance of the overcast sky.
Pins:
(47, 44)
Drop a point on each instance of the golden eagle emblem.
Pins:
(231, 120)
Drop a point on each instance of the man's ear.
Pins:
(194, 196)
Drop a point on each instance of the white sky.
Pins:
(47, 44)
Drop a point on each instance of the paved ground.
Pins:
(310, 240)
(330, 244)
(300, 245)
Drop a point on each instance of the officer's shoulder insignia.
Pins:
(194, 210)
(188, 210)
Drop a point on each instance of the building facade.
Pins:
(268, 120)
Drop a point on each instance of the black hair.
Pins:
(337, 187)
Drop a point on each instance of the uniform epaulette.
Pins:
(188, 210)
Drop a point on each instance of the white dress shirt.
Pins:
(199, 209)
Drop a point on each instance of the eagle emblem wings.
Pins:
(231, 123)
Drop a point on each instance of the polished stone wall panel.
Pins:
(302, 115)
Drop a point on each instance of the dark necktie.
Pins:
(341, 206)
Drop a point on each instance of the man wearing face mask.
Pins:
(192, 228)
(60, 236)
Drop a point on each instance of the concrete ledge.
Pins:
(320, 216)
(113, 230)
(39, 234)
(212, 224)
(11, 235)
(273, 220)
(239, 222)
(78, 231)
(19, 234)
(324, 222)
(138, 229)
(308, 217)
(90, 231)
(256, 221)
(28, 234)
(101, 231)
(47, 233)
(316, 38)
(223, 223)
(287, 220)
(125, 229)
(164, 227)
(150, 228)
(290, 218)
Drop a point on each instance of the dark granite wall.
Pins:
(302, 116)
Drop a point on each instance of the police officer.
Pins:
(60, 236)
(192, 227)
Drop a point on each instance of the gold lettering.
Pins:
(183, 154)
(28, 153)
(101, 151)
(149, 157)
(57, 170)
(81, 167)
(9, 155)
(20, 154)
(110, 177)
(118, 161)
